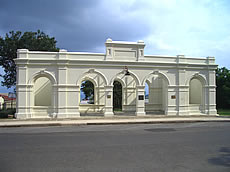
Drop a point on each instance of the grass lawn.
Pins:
(223, 111)
(117, 109)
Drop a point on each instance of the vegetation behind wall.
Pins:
(223, 88)
(6, 113)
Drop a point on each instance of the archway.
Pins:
(195, 91)
(42, 92)
(87, 92)
(117, 96)
(156, 84)
(88, 101)
(43, 97)
(196, 96)
(94, 103)
(129, 82)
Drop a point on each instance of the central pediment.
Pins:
(124, 51)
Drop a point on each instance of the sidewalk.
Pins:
(110, 120)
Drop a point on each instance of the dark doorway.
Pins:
(117, 96)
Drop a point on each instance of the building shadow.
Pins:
(223, 159)
(92, 114)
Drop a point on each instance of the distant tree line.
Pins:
(223, 88)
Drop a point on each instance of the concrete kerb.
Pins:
(107, 121)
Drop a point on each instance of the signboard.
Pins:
(109, 96)
(173, 97)
(140, 97)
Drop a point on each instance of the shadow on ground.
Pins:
(128, 113)
(223, 159)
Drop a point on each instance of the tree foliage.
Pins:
(34, 41)
(88, 89)
(223, 88)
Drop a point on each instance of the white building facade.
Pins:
(49, 83)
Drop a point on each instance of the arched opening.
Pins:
(91, 96)
(195, 96)
(117, 96)
(128, 83)
(42, 97)
(42, 92)
(87, 92)
(195, 91)
(156, 94)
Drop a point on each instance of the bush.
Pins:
(6, 112)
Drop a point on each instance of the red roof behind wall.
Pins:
(7, 98)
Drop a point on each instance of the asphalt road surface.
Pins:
(117, 148)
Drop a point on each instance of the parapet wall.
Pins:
(116, 51)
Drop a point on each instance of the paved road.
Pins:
(117, 148)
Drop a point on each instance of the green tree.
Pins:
(34, 41)
(88, 89)
(223, 88)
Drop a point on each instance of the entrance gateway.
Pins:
(124, 79)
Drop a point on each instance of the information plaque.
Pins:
(140, 97)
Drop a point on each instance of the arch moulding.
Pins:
(156, 73)
(91, 71)
(122, 72)
(199, 77)
(42, 73)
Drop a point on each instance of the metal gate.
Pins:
(117, 96)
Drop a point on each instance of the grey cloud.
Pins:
(77, 25)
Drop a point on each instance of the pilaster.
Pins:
(171, 108)
(108, 101)
(73, 99)
(61, 87)
(140, 101)
(21, 87)
(109, 49)
(140, 54)
(182, 99)
(211, 93)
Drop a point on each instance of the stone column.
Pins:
(183, 100)
(211, 93)
(182, 90)
(21, 86)
(61, 103)
(171, 108)
(21, 102)
(30, 100)
(140, 100)
(108, 101)
(54, 101)
(61, 87)
(73, 99)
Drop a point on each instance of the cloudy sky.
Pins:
(197, 28)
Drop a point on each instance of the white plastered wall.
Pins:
(169, 78)
(1, 103)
